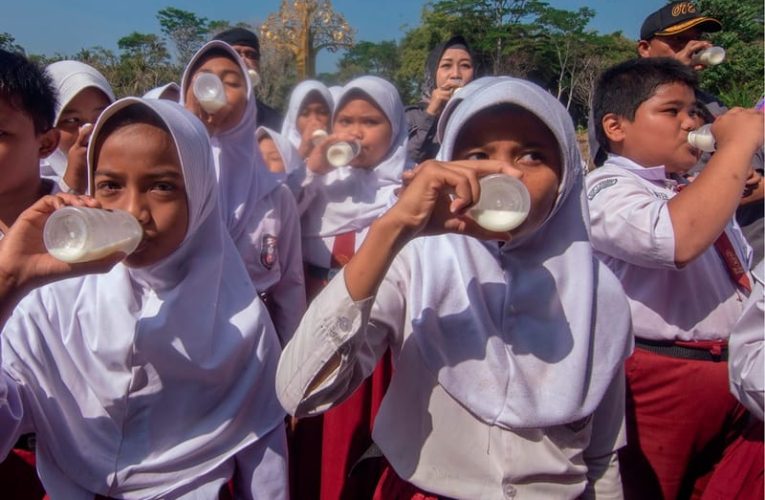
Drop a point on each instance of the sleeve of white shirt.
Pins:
(288, 294)
(746, 361)
(628, 221)
(335, 325)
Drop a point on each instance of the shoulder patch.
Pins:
(600, 186)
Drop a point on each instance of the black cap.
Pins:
(239, 36)
(675, 18)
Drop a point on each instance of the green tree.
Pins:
(8, 42)
(185, 29)
(144, 64)
(739, 80)
(370, 58)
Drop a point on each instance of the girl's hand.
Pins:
(24, 261)
(307, 142)
(436, 196)
(76, 175)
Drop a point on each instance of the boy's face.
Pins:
(21, 148)
(271, 155)
(518, 137)
(235, 86)
(368, 124)
(138, 170)
(659, 133)
(86, 107)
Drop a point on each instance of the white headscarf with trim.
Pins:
(290, 156)
(530, 333)
(144, 379)
(298, 96)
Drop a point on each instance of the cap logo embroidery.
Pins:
(683, 8)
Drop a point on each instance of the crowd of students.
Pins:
(291, 329)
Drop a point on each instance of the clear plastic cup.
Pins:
(254, 77)
(504, 203)
(711, 56)
(702, 138)
(82, 234)
(318, 136)
(209, 91)
(341, 154)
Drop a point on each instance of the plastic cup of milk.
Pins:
(504, 203)
(82, 234)
(254, 77)
(342, 153)
(702, 138)
(209, 91)
(318, 136)
(711, 56)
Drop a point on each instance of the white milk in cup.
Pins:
(342, 153)
(711, 56)
(702, 138)
(82, 234)
(209, 91)
(504, 203)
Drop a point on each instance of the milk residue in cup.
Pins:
(209, 91)
(498, 220)
(82, 234)
(702, 138)
(340, 154)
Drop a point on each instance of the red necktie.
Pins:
(343, 249)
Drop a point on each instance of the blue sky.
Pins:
(47, 27)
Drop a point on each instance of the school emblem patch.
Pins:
(600, 186)
(268, 251)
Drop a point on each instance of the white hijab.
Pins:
(532, 333)
(298, 96)
(349, 199)
(69, 79)
(243, 177)
(290, 156)
(161, 373)
(159, 92)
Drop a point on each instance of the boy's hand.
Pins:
(740, 128)
(24, 261)
(436, 196)
(76, 175)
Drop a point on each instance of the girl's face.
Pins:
(361, 118)
(138, 170)
(271, 155)
(235, 85)
(455, 65)
(86, 107)
(514, 135)
(314, 114)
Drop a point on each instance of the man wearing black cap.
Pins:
(247, 45)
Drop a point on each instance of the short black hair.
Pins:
(240, 36)
(621, 89)
(28, 88)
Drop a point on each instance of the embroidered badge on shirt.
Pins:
(600, 186)
(268, 251)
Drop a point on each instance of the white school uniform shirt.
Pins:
(632, 232)
(260, 212)
(746, 349)
(508, 358)
(153, 382)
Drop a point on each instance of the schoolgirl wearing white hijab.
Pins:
(280, 155)
(310, 109)
(170, 91)
(508, 350)
(259, 211)
(83, 93)
(154, 380)
(336, 201)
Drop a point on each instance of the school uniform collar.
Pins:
(655, 174)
